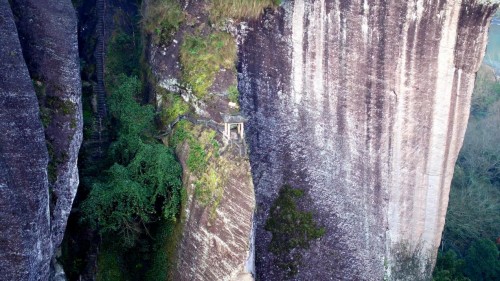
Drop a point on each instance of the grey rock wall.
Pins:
(41, 132)
(24, 192)
(364, 105)
(48, 33)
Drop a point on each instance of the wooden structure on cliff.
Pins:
(232, 121)
(234, 132)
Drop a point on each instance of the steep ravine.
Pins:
(362, 104)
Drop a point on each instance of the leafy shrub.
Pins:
(203, 56)
(197, 157)
(291, 228)
(135, 122)
(234, 94)
(161, 19)
(175, 107)
(181, 133)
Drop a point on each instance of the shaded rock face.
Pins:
(363, 104)
(24, 192)
(41, 51)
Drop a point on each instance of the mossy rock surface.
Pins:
(292, 229)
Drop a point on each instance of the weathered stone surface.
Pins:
(37, 194)
(364, 105)
(24, 192)
(48, 33)
(216, 245)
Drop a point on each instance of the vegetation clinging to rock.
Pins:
(203, 56)
(161, 18)
(291, 228)
(238, 9)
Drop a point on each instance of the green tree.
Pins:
(134, 122)
(449, 267)
(144, 184)
(483, 261)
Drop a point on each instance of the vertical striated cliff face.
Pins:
(363, 104)
(41, 122)
(24, 192)
(48, 34)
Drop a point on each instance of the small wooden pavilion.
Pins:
(234, 121)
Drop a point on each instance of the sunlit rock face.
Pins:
(364, 105)
(215, 242)
(39, 47)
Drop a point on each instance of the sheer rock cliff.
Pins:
(42, 132)
(364, 105)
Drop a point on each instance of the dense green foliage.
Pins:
(483, 261)
(121, 57)
(291, 228)
(449, 267)
(161, 18)
(145, 175)
(203, 56)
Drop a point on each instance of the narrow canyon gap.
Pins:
(364, 105)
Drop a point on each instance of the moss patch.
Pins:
(239, 9)
(175, 107)
(208, 169)
(291, 228)
(203, 56)
(161, 19)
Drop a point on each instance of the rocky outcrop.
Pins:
(215, 243)
(24, 192)
(41, 141)
(362, 104)
(215, 238)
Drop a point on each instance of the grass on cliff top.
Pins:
(239, 9)
(291, 228)
(161, 19)
(203, 56)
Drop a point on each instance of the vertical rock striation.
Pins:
(42, 132)
(24, 193)
(48, 33)
(363, 104)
